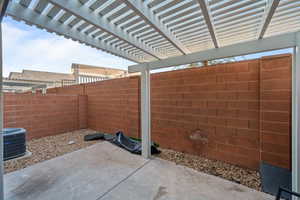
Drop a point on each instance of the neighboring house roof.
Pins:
(94, 70)
(15, 75)
(40, 76)
(28, 79)
(53, 77)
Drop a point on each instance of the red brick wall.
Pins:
(113, 105)
(211, 111)
(72, 89)
(276, 110)
(82, 111)
(43, 115)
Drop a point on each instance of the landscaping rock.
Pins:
(249, 178)
(49, 147)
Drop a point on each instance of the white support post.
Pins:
(295, 118)
(1, 119)
(145, 113)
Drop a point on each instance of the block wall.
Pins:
(72, 89)
(276, 110)
(236, 112)
(113, 105)
(211, 111)
(82, 111)
(43, 115)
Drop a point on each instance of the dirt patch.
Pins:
(49, 147)
(249, 178)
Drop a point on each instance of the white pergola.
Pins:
(162, 33)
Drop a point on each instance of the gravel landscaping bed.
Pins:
(49, 147)
(249, 178)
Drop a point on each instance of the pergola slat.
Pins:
(142, 10)
(41, 5)
(85, 14)
(25, 3)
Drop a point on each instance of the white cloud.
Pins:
(29, 48)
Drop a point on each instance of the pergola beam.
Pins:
(141, 9)
(83, 12)
(267, 44)
(209, 21)
(19, 12)
(269, 12)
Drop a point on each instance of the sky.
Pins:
(27, 47)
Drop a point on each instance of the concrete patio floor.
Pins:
(106, 172)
